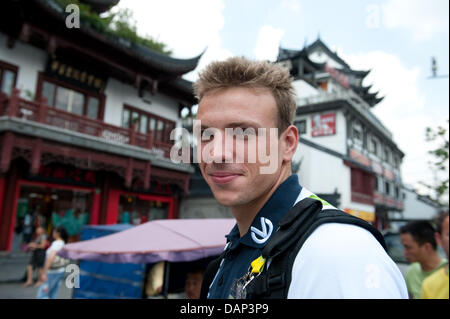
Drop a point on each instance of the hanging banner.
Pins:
(323, 124)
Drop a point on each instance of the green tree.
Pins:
(117, 24)
(439, 163)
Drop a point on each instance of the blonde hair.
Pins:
(242, 72)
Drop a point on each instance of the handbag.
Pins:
(59, 262)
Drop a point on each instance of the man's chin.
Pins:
(226, 200)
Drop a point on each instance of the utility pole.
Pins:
(434, 70)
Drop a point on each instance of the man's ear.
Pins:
(428, 247)
(437, 237)
(289, 139)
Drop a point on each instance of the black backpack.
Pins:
(294, 228)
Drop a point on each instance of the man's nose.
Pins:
(222, 149)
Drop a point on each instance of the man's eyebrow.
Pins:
(246, 124)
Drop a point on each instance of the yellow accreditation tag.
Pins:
(258, 264)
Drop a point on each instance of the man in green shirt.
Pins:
(420, 247)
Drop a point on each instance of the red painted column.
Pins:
(2, 190)
(13, 216)
(171, 209)
(8, 207)
(6, 151)
(129, 173)
(95, 211)
(176, 206)
(13, 105)
(112, 212)
(36, 157)
(147, 174)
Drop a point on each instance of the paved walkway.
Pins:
(12, 272)
(17, 291)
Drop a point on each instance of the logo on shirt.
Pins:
(262, 234)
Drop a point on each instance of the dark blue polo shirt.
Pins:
(241, 251)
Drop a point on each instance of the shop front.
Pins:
(61, 194)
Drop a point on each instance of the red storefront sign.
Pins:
(359, 157)
(65, 174)
(388, 174)
(323, 124)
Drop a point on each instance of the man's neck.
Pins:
(245, 214)
(431, 263)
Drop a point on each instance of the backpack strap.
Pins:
(272, 282)
(296, 222)
(275, 279)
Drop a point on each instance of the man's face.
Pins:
(235, 180)
(193, 285)
(442, 239)
(412, 251)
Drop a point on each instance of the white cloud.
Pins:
(402, 111)
(215, 52)
(293, 5)
(423, 19)
(268, 42)
(187, 27)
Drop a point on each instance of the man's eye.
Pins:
(207, 137)
(244, 133)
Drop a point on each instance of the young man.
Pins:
(193, 283)
(436, 285)
(247, 142)
(420, 246)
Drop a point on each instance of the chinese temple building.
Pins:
(85, 123)
(346, 154)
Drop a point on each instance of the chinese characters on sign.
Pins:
(78, 76)
(323, 124)
(65, 174)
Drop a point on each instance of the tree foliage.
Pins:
(439, 163)
(119, 24)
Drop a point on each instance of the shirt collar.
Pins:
(266, 221)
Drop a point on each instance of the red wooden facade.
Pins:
(30, 161)
(37, 152)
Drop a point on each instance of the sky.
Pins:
(395, 39)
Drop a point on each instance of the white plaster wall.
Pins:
(321, 172)
(415, 208)
(303, 89)
(118, 93)
(30, 61)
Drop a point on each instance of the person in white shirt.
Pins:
(54, 268)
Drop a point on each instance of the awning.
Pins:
(173, 240)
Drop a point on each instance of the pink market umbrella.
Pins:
(173, 240)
